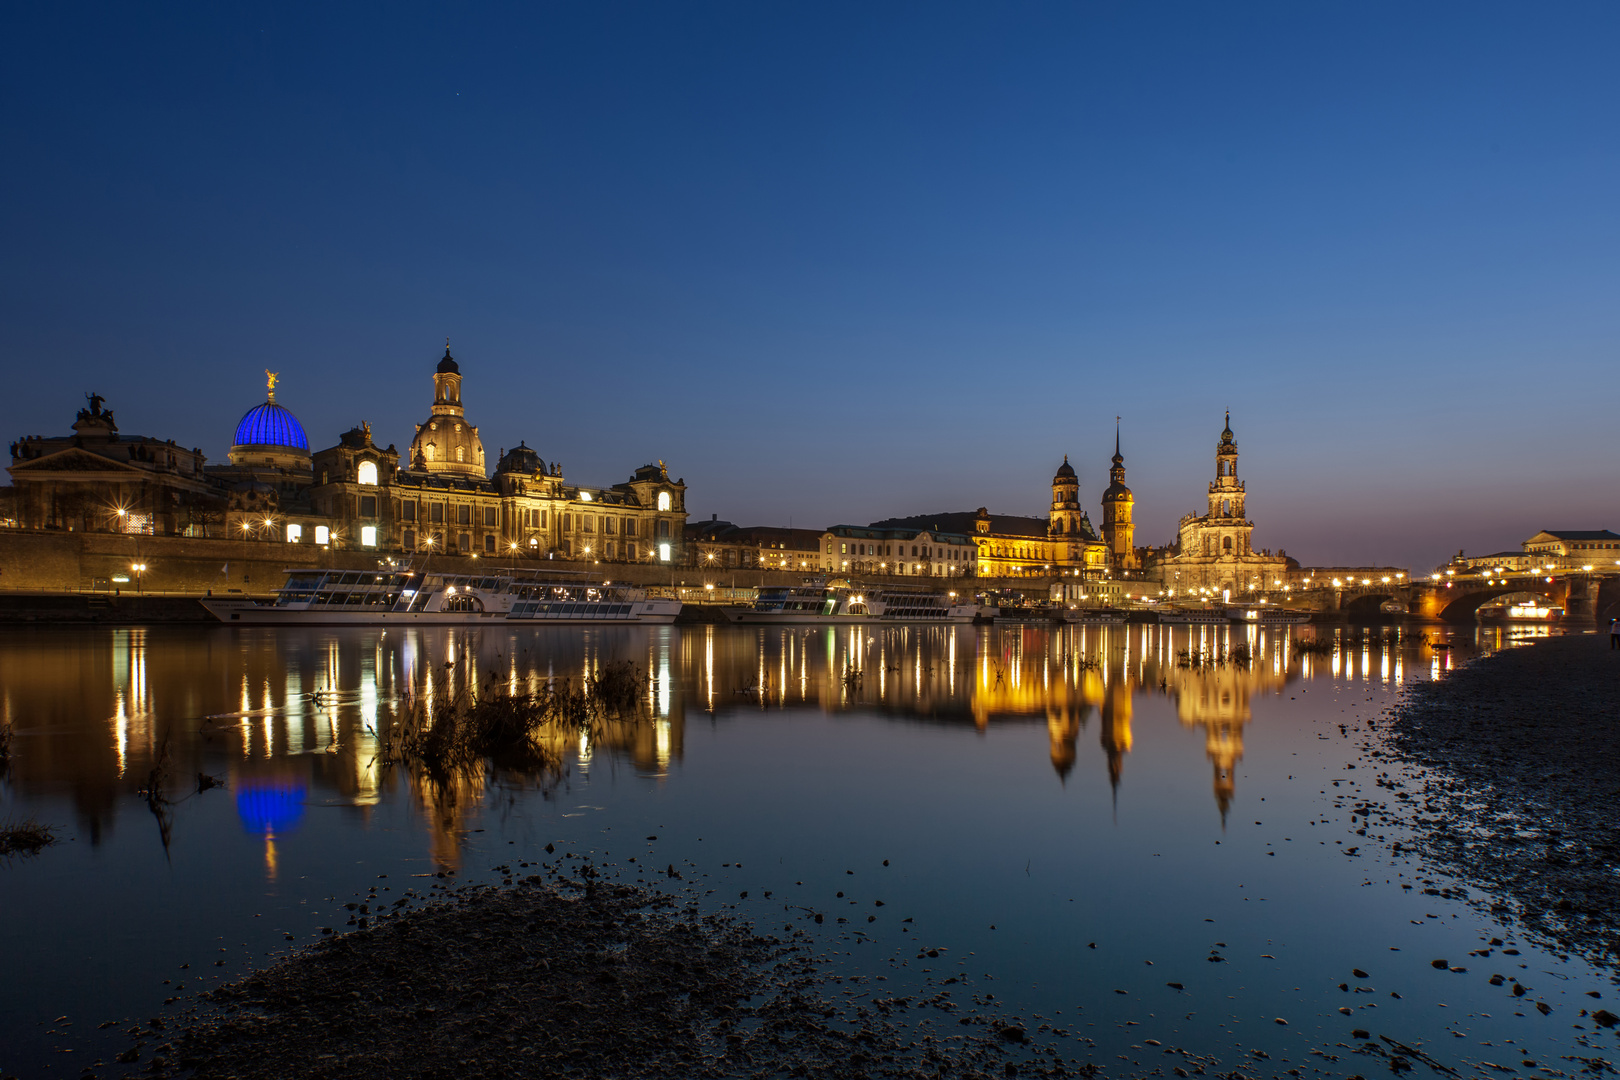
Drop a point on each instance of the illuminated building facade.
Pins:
(1062, 544)
(100, 480)
(266, 484)
(903, 550)
(1568, 548)
(444, 501)
(351, 495)
(1213, 555)
(716, 544)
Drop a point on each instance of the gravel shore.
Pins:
(1518, 758)
(559, 977)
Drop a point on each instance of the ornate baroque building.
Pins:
(444, 501)
(99, 480)
(351, 495)
(1213, 554)
(1064, 545)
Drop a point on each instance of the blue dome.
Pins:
(271, 425)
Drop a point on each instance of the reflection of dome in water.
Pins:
(269, 424)
(270, 806)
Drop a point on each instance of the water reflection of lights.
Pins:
(663, 679)
(661, 735)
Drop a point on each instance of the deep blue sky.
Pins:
(835, 263)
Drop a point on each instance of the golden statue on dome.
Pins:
(271, 378)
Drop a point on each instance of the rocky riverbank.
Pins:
(565, 976)
(1517, 790)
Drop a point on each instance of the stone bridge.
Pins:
(1583, 595)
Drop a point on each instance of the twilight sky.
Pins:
(842, 262)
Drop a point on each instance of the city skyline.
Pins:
(852, 265)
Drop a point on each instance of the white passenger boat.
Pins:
(1198, 617)
(902, 605)
(386, 597)
(1093, 617)
(838, 602)
(1268, 616)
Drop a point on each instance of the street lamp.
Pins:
(139, 568)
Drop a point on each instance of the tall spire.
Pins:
(1118, 458)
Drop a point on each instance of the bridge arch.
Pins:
(1463, 607)
(1368, 604)
(1607, 605)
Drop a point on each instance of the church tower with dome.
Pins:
(1066, 518)
(445, 443)
(1119, 532)
(270, 467)
(1213, 555)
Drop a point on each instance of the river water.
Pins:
(1076, 818)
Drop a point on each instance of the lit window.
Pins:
(295, 533)
(323, 535)
(367, 472)
(663, 500)
(663, 553)
(368, 536)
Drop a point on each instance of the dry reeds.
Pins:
(1313, 646)
(1237, 656)
(5, 745)
(24, 837)
(452, 734)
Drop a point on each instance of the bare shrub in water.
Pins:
(450, 735)
(24, 837)
(5, 745)
(1239, 656)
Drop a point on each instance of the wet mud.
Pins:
(1511, 785)
(561, 975)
